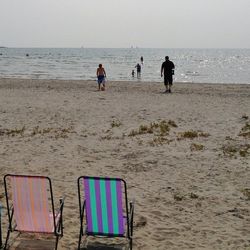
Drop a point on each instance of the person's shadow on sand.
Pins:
(101, 246)
(50, 245)
(33, 245)
(104, 248)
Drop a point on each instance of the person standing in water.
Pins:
(133, 73)
(141, 59)
(101, 74)
(167, 68)
(138, 70)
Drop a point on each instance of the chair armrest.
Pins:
(59, 210)
(131, 206)
(61, 200)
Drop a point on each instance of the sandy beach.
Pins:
(185, 156)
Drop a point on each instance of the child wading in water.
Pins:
(101, 74)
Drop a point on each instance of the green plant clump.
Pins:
(161, 129)
(196, 147)
(189, 134)
(246, 193)
(116, 123)
(245, 131)
(12, 132)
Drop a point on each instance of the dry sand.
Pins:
(190, 193)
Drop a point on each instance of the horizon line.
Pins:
(83, 47)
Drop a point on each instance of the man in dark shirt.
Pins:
(138, 70)
(168, 68)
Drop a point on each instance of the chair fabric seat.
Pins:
(108, 234)
(104, 206)
(46, 227)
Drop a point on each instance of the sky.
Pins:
(125, 23)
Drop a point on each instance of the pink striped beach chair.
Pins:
(108, 214)
(30, 206)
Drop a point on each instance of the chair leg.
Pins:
(1, 242)
(7, 238)
(61, 218)
(130, 243)
(61, 227)
(57, 239)
(81, 227)
(80, 238)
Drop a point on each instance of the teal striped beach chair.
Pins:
(104, 208)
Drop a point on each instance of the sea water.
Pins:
(191, 65)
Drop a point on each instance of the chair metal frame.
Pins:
(1, 241)
(82, 206)
(58, 227)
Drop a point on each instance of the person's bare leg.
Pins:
(166, 85)
(170, 87)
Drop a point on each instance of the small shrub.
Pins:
(203, 134)
(246, 127)
(56, 132)
(115, 123)
(245, 131)
(157, 141)
(172, 124)
(246, 193)
(106, 137)
(66, 130)
(243, 153)
(178, 197)
(61, 135)
(194, 196)
(196, 147)
(46, 131)
(16, 131)
(133, 133)
(189, 134)
(161, 128)
(245, 134)
(229, 150)
(232, 150)
(244, 117)
(144, 129)
(244, 150)
(164, 128)
(35, 130)
(12, 132)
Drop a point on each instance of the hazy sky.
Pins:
(125, 23)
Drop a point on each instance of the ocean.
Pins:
(192, 65)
